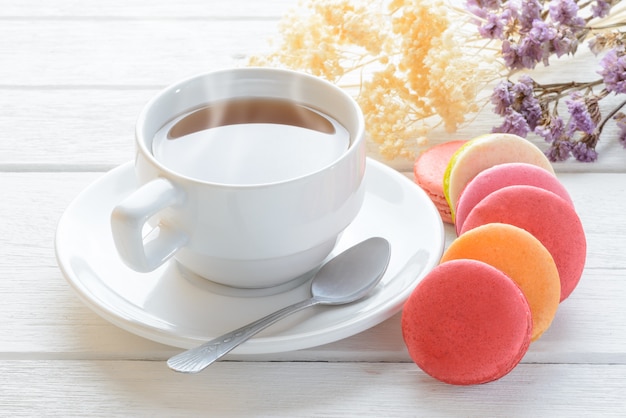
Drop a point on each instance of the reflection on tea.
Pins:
(250, 141)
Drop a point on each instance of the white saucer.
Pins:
(170, 307)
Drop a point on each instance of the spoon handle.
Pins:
(198, 358)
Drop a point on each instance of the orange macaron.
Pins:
(522, 257)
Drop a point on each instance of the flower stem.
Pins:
(610, 115)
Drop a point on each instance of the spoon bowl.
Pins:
(352, 274)
(348, 277)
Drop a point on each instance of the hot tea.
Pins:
(250, 141)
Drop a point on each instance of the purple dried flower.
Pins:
(553, 130)
(475, 10)
(565, 42)
(530, 52)
(559, 151)
(597, 43)
(601, 8)
(526, 102)
(583, 152)
(533, 47)
(542, 31)
(613, 70)
(531, 109)
(511, 55)
(524, 86)
(485, 4)
(515, 101)
(581, 119)
(510, 12)
(565, 12)
(501, 97)
(542, 34)
(481, 8)
(514, 123)
(493, 28)
(531, 12)
(531, 32)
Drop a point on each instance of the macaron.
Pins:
(428, 171)
(466, 323)
(484, 152)
(522, 257)
(547, 216)
(502, 175)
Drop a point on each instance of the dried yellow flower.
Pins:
(410, 66)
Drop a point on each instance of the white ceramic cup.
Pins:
(240, 235)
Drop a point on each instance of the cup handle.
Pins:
(145, 254)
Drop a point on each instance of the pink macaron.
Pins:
(547, 216)
(466, 323)
(503, 175)
(428, 170)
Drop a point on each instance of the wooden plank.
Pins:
(590, 326)
(34, 9)
(92, 128)
(76, 74)
(599, 201)
(598, 198)
(150, 47)
(69, 129)
(123, 64)
(122, 389)
(119, 53)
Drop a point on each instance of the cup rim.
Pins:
(356, 138)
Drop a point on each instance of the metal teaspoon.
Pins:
(346, 278)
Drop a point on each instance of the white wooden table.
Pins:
(73, 78)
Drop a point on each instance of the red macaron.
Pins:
(547, 216)
(466, 323)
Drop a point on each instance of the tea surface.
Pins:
(250, 141)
